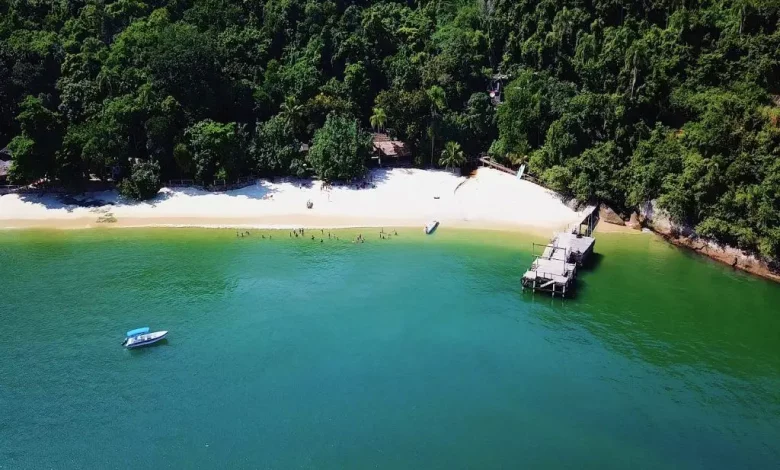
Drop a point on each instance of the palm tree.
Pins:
(106, 79)
(378, 119)
(438, 102)
(515, 159)
(292, 113)
(452, 156)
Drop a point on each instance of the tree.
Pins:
(357, 87)
(452, 156)
(291, 113)
(437, 99)
(340, 150)
(378, 119)
(143, 183)
(409, 113)
(216, 147)
(34, 151)
(516, 159)
(275, 149)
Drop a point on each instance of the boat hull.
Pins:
(145, 340)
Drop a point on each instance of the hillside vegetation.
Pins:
(611, 100)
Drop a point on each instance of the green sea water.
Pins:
(414, 352)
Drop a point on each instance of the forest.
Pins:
(615, 101)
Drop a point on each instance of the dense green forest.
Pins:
(619, 101)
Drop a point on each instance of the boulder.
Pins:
(606, 214)
(650, 214)
(656, 217)
(634, 222)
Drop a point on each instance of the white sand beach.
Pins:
(396, 197)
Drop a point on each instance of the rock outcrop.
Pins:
(634, 222)
(656, 218)
(681, 235)
(606, 214)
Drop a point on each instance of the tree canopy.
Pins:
(340, 150)
(606, 100)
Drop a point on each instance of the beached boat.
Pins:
(429, 229)
(141, 337)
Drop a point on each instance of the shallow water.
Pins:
(417, 352)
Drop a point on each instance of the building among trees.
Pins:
(389, 152)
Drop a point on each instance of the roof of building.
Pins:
(390, 148)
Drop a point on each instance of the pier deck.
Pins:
(555, 271)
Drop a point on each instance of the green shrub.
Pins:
(143, 183)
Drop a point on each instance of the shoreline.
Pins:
(311, 222)
(402, 198)
(727, 255)
(723, 255)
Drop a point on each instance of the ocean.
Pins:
(412, 352)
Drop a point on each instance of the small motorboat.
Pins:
(431, 227)
(141, 337)
(137, 331)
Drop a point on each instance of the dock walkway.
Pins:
(555, 271)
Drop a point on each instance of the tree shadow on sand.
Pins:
(70, 202)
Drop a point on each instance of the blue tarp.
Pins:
(138, 331)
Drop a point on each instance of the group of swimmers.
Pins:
(299, 232)
(243, 234)
(386, 235)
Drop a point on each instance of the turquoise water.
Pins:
(409, 353)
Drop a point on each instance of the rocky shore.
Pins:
(651, 217)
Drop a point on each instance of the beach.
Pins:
(489, 199)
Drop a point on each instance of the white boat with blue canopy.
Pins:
(141, 337)
(137, 331)
(431, 227)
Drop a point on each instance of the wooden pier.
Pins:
(486, 161)
(555, 270)
(489, 162)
